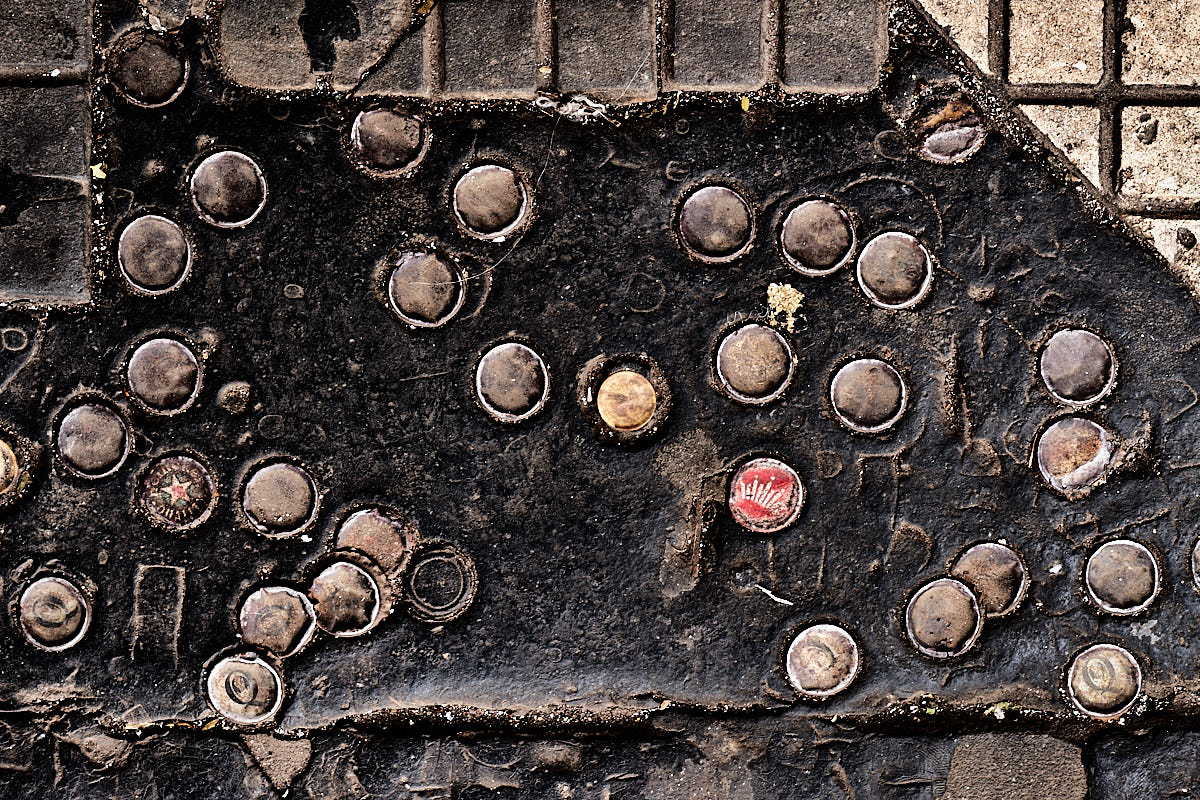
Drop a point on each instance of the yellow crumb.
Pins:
(785, 299)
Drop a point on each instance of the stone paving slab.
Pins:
(45, 34)
(623, 52)
(45, 127)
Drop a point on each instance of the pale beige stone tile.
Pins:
(967, 23)
(1074, 130)
(1162, 42)
(1176, 240)
(1160, 152)
(1055, 42)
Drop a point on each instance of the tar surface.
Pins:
(328, 488)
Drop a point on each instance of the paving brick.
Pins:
(1160, 152)
(402, 70)
(380, 25)
(1074, 131)
(47, 127)
(43, 255)
(1162, 42)
(261, 44)
(718, 44)
(1055, 42)
(967, 23)
(833, 45)
(44, 33)
(1000, 766)
(607, 49)
(489, 53)
(171, 13)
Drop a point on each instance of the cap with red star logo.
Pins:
(177, 491)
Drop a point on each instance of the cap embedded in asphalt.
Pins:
(388, 142)
(92, 440)
(348, 599)
(511, 382)
(765, 495)
(490, 201)
(943, 618)
(153, 254)
(997, 575)
(228, 189)
(1122, 577)
(1077, 367)
(245, 689)
(868, 395)
(817, 238)
(1104, 681)
(1074, 455)
(822, 661)
(279, 498)
(54, 613)
(754, 363)
(626, 400)
(895, 270)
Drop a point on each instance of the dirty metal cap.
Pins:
(953, 142)
(1196, 564)
(512, 382)
(92, 439)
(228, 189)
(277, 618)
(148, 70)
(245, 690)
(1077, 367)
(490, 201)
(625, 399)
(279, 498)
(19, 458)
(943, 618)
(10, 470)
(817, 238)
(425, 290)
(381, 534)
(153, 254)
(176, 492)
(715, 224)
(868, 395)
(996, 573)
(162, 376)
(1074, 455)
(944, 125)
(347, 598)
(1122, 577)
(754, 363)
(440, 583)
(1104, 681)
(765, 495)
(822, 661)
(895, 270)
(54, 613)
(388, 142)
